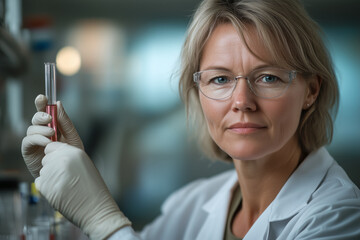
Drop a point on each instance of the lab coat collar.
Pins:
(216, 208)
(294, 195)
(223, 195)
(297, 191)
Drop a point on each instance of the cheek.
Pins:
(285, 116)
(214, 113)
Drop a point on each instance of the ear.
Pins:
(312, 92)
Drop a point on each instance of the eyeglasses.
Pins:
(268, 82)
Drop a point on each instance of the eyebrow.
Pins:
(222, 68)
(216, 68)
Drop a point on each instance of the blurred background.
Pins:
(117, 63)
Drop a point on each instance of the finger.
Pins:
(41, 118)
(51, 156)
(67, 128)
(33, 140)
(63, 119)
(38, 184)
(32, 149)
(51, 147)
(46, 187)
(41, 130)
(40, 103)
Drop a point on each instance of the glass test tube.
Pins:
(50, 92)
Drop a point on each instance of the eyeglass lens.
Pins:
(265, 83)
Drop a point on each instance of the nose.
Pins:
(243, 98)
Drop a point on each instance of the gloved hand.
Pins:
(72, 185)
(66, 177)
(38, 134)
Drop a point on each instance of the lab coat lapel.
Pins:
(217, 208)
(259, 229)
(297, 191)
(294, 195)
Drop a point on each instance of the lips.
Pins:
(246, 127)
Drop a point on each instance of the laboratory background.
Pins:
(117, 78)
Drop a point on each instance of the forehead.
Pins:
(230, 46)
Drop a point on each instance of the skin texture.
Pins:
(264, 144)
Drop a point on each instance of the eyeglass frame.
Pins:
(292, 76)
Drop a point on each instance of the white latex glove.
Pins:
(72, 185)
(38, 134)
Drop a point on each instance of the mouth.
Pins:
(246, 128)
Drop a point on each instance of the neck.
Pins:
(261, 180)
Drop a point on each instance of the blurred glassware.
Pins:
(40, 217)
(10, 210)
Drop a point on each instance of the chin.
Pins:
(246, 157)
(247, 153)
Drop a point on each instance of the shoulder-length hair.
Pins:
(293, 40)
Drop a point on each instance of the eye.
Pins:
(220, 80)
(269, 79)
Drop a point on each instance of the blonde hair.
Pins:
(293, 40)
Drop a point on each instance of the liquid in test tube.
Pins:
(50, 92)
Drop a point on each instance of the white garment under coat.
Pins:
(318, 201)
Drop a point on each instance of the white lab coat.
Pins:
(318, 201)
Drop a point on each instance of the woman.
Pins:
(257, 78)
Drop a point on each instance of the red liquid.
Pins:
(52, 110)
